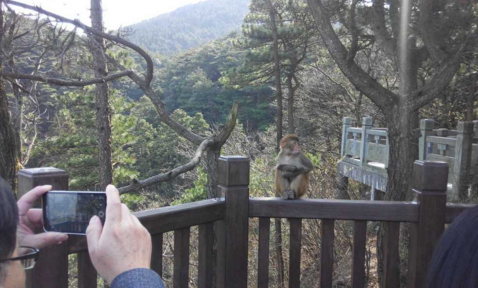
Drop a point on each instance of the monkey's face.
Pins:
(292, 147)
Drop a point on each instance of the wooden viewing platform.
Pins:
(230, 216)
(367, 161)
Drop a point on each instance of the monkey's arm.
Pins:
(286, 167)
(306, 167)
(307, 164)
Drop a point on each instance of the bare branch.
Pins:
(171, 174)
(15, 84)
(116, 39)
(62, 82)
(428, 33)
(379, 28)
(215, 141)
(435, 86)
(349, 97)
(354, 30)
(159, 105)
(378, 94)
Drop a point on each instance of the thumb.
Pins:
(93, 232)
(43, 240)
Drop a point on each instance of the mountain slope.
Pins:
(189, 26)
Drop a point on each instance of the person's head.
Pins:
(11, 272)
(455, 260)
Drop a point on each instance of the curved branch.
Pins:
(379, 28)
(429, 35)
(221, 137)
(117, 39)
(214, 141)
(171, 174)
(159, 105)
(62, 82)
(354, 31)
(378, 94)
(435, 86)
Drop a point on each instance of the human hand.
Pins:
(32, 219)
(122, 244)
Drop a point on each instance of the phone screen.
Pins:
(70, 211)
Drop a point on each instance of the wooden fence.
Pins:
(229, 218)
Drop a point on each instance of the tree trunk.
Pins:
(277, 73)
(7, 140)
(403, 152)
(342, 187)
(279, 255)
(290, 104)
(103, 113)
(17, 115)
(7, 137)
(212, 158)
(401, 123)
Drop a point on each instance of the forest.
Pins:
(152, 107)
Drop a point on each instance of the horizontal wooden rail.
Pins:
(334, 209)
(455, 209)
(167, 219)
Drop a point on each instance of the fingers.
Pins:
(136, 221)
(125, 213)
(44, 239)
(93, 232)
(28, 200)
(113, 206)
(35, 218)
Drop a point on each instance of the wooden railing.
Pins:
(229, 218)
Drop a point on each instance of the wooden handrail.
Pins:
(168, 219)
(455, 209)
(334, 209)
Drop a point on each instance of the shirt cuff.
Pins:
(138, 278)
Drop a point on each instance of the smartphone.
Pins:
(70, 211)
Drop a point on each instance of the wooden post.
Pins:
(462, 165)
(475, 129)
(430, 183)
(366, 125)
(347, 123)
(426, 129)
(474, 163)
(51, 269)
(87, 275)
(181, 258)
(234, 184)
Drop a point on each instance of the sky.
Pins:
(116, 13)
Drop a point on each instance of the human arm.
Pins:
(138, 278)
(31, 220)
(122, 246)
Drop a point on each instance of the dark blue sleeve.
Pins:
(138, 278)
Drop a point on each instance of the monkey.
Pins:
(292, 169)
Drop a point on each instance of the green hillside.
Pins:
(189, 26)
